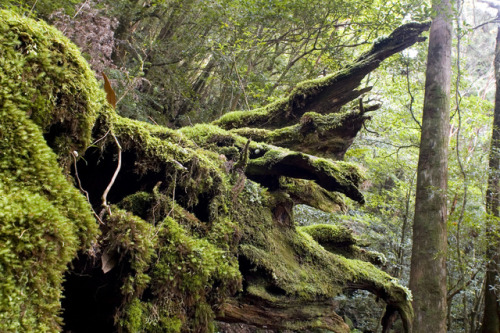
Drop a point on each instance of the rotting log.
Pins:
(198, 224)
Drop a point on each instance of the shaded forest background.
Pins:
(182, 62)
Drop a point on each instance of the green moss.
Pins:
(196, 170)
(204, 134)
(44, 219)
(316, 134)
(35, 56)
(348, 174)
(256, 134)
(183, 270)
(373, 257)
(303, 271)
(238, 119)
(277, 109)
(190, 263)
(330, 234)
(274, 112)
(146, 317)
(340, 240)
(269, 159)
(313, 195)
(192, 256)
(129, 238)
(263, 159)
(216, 139)
(138, 204)
(297, 265)
(183, 274)
(134, 320)
(189, 259)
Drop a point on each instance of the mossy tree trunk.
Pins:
(428, 263)
(491, 318)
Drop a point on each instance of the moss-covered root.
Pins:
(321, 135)
(340, 240)
(267, 163)
(188, 277)
(404, 309)
(335, 176)
(330, 235)
(289, 267)
(397, 297)
(311, 194)
(47, 78)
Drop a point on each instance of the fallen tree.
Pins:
(168, 230)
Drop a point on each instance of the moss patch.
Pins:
(297, 269)
(182, 270)
(45, 75)
(311, 194)
(330, 235)
(340, 240)
(44, 220)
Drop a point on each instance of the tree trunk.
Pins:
(428, 263)
(491, 319)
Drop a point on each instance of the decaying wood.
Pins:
(300, 316)
(328, 95)
(302, 166)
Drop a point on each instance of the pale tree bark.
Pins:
(491, 318)
(428, 263)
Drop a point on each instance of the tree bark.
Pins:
(428, 263)
(491, 318)
(259, 313)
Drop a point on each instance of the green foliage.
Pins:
(41, 9)
(388, 150)
(192, 61)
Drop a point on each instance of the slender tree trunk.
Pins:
(404, 228)
(428, 262)
(491, 318)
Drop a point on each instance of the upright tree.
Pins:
(428, 263)
(491, 317)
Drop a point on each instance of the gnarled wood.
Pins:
(329, 94)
